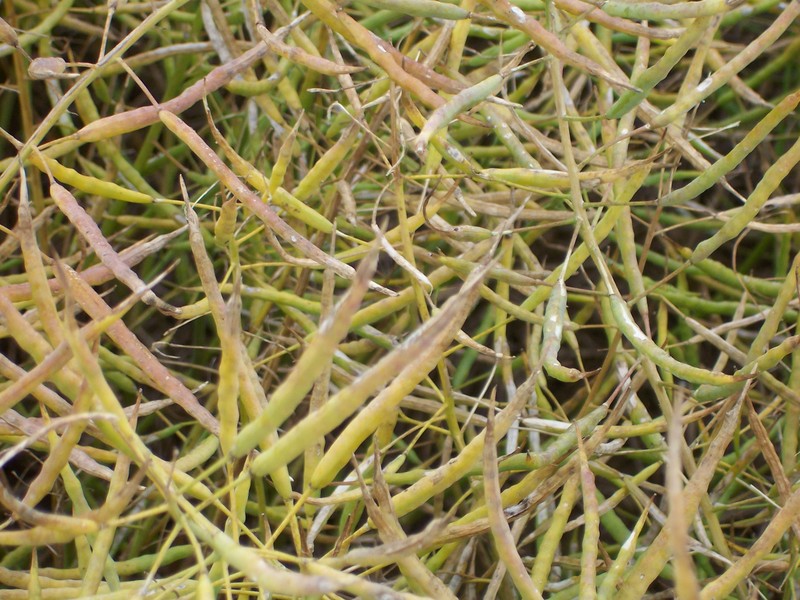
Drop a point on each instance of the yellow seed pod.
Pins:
(225, 226)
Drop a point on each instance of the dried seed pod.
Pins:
(49, 67)
(7, 34)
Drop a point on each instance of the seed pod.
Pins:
(8, 35)
(458, 104)
(225, 226)
(423, 8)
(294, 54)
(553, 327)
(284, 159)
(656, 353)
(49, 67)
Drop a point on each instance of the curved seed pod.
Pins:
(85, 183)
(768, 360)
(284, 159)
(225, 226)
(458, 104)
(656, 353)
(554, 316)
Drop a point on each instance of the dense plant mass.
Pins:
(399, 299)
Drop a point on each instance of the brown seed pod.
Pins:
(49, 67)
(7, 34)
